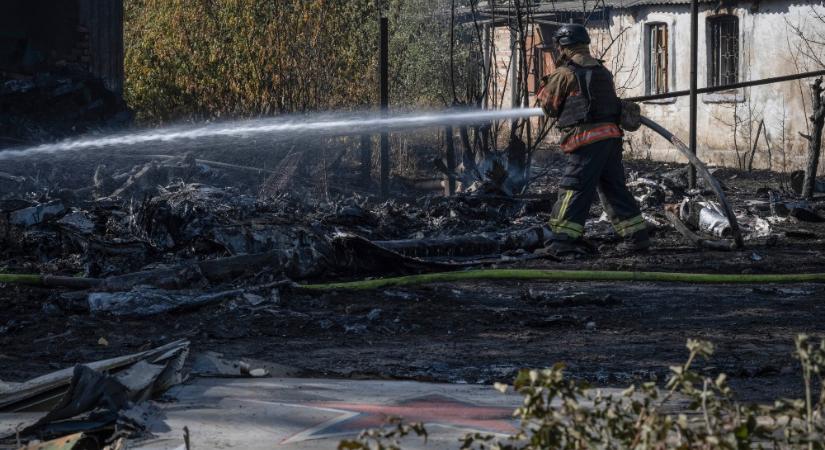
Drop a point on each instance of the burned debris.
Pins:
(216, 262)
(232, 216)
(118, 235)
(157, 246)
(94, 405)
(166, 236)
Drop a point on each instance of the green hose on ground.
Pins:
(566, 275)
(479, 275)
(13, 278)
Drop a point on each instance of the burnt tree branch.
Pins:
(449, 139)
(817, 119)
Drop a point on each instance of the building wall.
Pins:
(43, 35)
(727, 122)
(37, 34)
(103, 21)
(503, 72)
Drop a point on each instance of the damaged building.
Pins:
(646, 44)
(61, 68)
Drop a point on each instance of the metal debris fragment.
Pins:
(147, 301)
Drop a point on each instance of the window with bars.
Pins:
(723, 50)
(657, 59)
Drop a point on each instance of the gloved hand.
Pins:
(631, 116)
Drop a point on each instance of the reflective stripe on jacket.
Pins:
(592, 133)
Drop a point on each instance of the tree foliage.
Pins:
(215, 58)
(420, 55)
(200, 59)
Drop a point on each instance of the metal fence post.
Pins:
(694, 62)
(383, 75)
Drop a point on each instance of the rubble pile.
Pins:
(167, 234)
(94, 404)
(200, 244)
(174, 213)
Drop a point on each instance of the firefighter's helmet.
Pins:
(571, 34)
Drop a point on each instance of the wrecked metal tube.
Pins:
(714, 244)
(452, 247)
(713, 222)
(703, 170)
(706, 217)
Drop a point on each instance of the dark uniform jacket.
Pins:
(562, 83)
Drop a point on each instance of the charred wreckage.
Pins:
(143, 236)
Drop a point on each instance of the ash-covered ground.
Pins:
(217, 248)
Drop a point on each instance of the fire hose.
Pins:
(566, 275)
(479, 275)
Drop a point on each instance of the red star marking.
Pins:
(433, 409)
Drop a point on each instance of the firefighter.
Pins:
(582, 98)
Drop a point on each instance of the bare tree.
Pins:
(815, 138)
(809, 30)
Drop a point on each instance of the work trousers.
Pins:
(591, 168)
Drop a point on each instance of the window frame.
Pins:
(653, 71)
(718, 50)
(669, 21)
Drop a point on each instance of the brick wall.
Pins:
(42, 35)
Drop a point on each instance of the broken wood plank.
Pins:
(462, 246)
(50, 281)
(46, 388)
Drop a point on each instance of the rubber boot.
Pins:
(562, 246)
(636, 243)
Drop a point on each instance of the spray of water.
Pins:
(274, 128)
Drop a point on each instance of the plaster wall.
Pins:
(727, 122)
